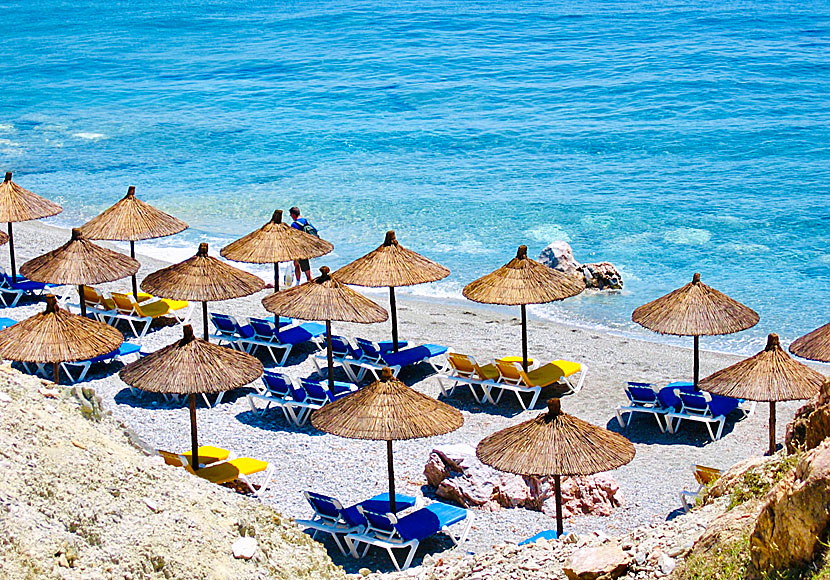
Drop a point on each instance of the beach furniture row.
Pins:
(366, 356)
(12, 290)
(678, 401)
(296, 398)
(138, 313)
(489, 382)
(370, 523)
(278, 338)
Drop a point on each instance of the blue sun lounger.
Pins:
(266, 335)
(389, 532)
(347, 355)
(543, 535)
(642, 399)
(229, 330)
(6, 322)
(83, 366)
(704, 408)
(19, 287)
(330, 517)
(374, 358)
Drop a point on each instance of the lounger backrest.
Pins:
(695, 402)
(277, 383)
(705, 475)
(173, 459)
(381, 523)
(323, 505)
(340, 346)
(261, 327)
(369, 348)
(91, 296)
(223, 323)
(316, 391)
(511, 372)
(641, 393)
(123, 303)
(462, 363)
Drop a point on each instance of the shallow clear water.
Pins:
(667, 138)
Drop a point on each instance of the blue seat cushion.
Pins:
(414, 354)
(429, 520)
(6, 322)
(377, 504)
(667, 397)
(722, 405)
(546, 534)
(389, 346)
(125, 349)
(302, 333)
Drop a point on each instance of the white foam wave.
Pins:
(688, 236)
(89, 136)
(6, 127)
(547, 233)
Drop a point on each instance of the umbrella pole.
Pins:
(394, 310)
(277, 282)
(329, 356)
(771, 427)
(56, 372)
(390, 465)
(81, 299)
(205, 320)
(11, 255)
(194, 438)
(524, 337)
(557, 485)
(697, 361)
(135, 283)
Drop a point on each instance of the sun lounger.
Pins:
(229, 330)
(374, 358)
(83, 366)
(321, 388)
(388, 532)
(514, 378)
(226, 471)
(207, 456)
(283, 341)
(145, 312)
(6, 322)
(703, 408)
(704, 476)
(465, 370)
(543, 535)
(642, 399)
(296, 402)
(14, 290)
(330, 517)
(100, 307)
(348, 356)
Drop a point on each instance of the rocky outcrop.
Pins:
(79, 501)
(795, 519)
(811, 424)
(458, 476)
(600, 276)
(606, 562)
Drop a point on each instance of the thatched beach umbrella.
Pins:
(21, 205)
(4, 238)
(387, 410)
(192, 366)
(695, 310)
(814, 345)
(131, 220)
(325, 298)
(557, 444)
(276, 242)
(55, 336)
(771, 375)
(391, 265)
(523, 281)
(201, 278)
(79, 262)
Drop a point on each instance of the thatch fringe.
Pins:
(555, 443)
(814, 345)
(276, 242)
(20, 205)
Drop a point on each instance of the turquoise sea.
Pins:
(665, 137)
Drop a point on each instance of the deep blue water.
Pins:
(667, 138)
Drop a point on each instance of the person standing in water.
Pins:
(303, 225)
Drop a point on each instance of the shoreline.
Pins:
(309, 460)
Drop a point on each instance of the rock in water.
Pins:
(607, 561)
(600, 276)
(789, 531)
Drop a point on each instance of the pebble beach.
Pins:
(351, 470)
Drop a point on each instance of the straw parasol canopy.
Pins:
(387, 410)
(771, 375)
(523, 281)
(79, 262)
(201, 278)
(192, 366)
(325, 298)
(814, 346)
(555, 443)
(21, 205)
(4, 238)
(392, 265)
(276, 242)
(695, 310)
(55, 336)
(130, 220)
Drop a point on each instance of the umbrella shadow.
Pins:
(644, 429)
(273, 420)
(156, 325)
(298, 355)
(146, 400)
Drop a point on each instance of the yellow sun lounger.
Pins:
(238, 470)
(127, 309)
(465, 370)
(207, 455)
(514, 378)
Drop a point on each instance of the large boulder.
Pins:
(608, 561)
(811, 424)
(458, 476)
(600, 276)
(795, 519)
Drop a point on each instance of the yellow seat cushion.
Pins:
(143, 297)
(108, 303)
(567, 367)
(517, 359)
(208, 454)
(153, 309)
(175, 304)
(230, 470)
(488, 372)
(545, 375)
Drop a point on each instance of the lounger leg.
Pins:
(534, 398)
(620, 420)
(409, 556)
(659, 422)
(721, 423)
(284, 356)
